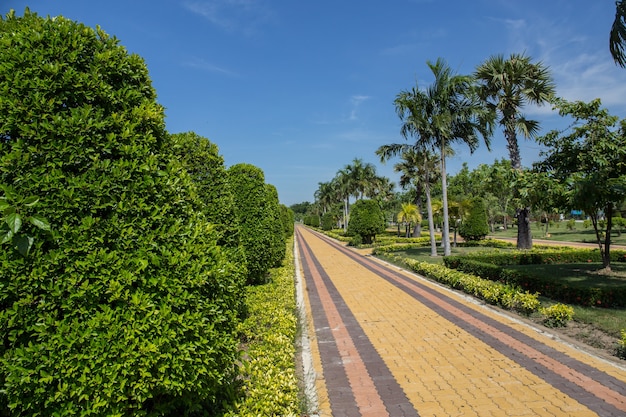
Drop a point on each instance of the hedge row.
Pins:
(270, 385)
(497, 293)
(540, 256)
(549, 287)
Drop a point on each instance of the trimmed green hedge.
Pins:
(131, 308)
(268, 368)
(539, 256)
(485, 265)
(260, 227)
(497, 293)
(366, 220)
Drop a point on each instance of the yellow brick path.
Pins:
(444, 370)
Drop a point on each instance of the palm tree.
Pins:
(445, 112)
(505, 86)
(617, 36)
(409, 214)
(361, 175)
(343, 187)
(325, 196)
(418, 166)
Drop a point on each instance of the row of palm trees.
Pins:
(458, 109)
(358, 180)
(465, 108)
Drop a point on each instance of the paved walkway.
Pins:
(388, 343)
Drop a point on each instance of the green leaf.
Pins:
(14, 221)
(31, 201)
(4, 204)
(40, 222)
(6, 235)
(23, 244)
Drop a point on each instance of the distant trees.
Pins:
(357, 179)
(409, 215)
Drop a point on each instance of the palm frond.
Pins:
(617, 36)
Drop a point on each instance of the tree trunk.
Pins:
(431, 223)
(512, 146)
(346, 203)
(524, 235)
(417, 231)
(606, 254)
(445, 235)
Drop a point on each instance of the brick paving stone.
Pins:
(426, 351)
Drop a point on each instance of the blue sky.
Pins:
(301, 88)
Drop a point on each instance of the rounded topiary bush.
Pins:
(131, 307)
(201, 159)
(366, 220)
(475, 226)
(287, 217)
(256, 208)
(274, 223)
(328, 221)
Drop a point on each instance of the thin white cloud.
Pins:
(356, 103)
(243, 16)
(580, 65)
(203, 65)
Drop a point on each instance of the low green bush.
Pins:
(497, 293)
(268, 369)
(557, 315)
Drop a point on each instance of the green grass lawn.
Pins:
(423, 254)
(584, 274)
(560, 233)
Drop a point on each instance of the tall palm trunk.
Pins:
(524, 233)
(417, 230)
(445, 232)
(345, 214)
(512, 146)
(431, 223)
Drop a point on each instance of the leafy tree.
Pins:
(590, 159)
(474, 225)
(131, 308)
(366, 220)
(446, 112)
(300, 210)
(505, 86)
